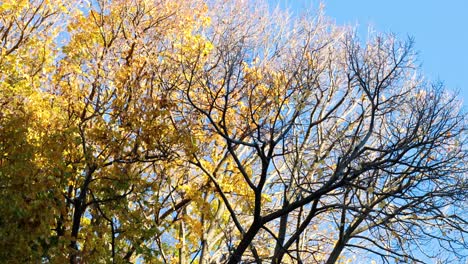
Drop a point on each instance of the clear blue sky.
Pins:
(440, 30)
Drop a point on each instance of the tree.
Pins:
(82, 144)
(338, 147)
(214, 131)
(27, 128)
(111, 75)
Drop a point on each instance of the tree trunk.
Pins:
(236, 257)
(336, 252)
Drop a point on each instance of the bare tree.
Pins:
(337, 146)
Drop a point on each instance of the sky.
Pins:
(439, 28)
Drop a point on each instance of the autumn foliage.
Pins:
(159, 131)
